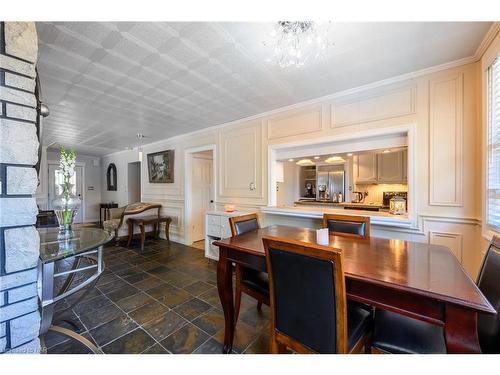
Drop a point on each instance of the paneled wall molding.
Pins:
(452, 219)
(240, 168)
(373, 106)
(306, 120)
(453, 241)
(163, 198)
(446, 140)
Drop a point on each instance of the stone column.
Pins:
(19, 241)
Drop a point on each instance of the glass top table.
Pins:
(81, 241)
(85, 246)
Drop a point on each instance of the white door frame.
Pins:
(78, 164)
(188, 157)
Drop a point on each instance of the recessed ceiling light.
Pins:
(316, 157)
(334, 159)
(386, 151)
(290, 159)
(305, 162)
(349, 154)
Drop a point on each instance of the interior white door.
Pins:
(202, 195)
(55, 178)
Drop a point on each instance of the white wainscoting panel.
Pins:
(446, 141)
(307, 120)
(451, 240)
(240, 171)
(382, 105)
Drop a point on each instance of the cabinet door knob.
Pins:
(252, 186)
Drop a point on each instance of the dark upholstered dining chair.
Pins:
(347, 225)
(309, 309)
(251, 282)
(394, 333)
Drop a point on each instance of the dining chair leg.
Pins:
(237, 294)
(273, 345)
(281, 348)
(259, 305)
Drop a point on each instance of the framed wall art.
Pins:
(161, 167)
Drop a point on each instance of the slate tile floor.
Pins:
(163, 300)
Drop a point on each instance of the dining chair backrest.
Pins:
(488, 326)
(243, 224)
(307, 296)
(346, 225)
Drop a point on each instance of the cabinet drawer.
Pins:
(213, 220)
(214, 230)
(225, 230)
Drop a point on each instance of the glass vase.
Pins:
(65, 207)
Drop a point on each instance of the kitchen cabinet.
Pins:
(390, 167)
(381, 168)
(365, 168)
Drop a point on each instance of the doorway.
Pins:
(56, 178)
(200, 192)
(134, 182)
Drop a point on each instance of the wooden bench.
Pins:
(142, 222)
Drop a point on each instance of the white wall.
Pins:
(134, 182)
(121, 161)
(442, 105)
(93, 175)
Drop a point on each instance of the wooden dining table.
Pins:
(419, 280)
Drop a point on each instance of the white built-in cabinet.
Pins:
(217, 227)
(381, 168)
(241, 161)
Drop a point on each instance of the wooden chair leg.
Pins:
(143, 237)
(237, 294)
(281, 348)
(259, 305)
(167, 230)
(130, 234)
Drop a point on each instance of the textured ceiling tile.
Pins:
(102, 80)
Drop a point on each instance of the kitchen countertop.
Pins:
(382, 218)
(342, 204)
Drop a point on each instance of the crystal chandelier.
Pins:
(295, 43)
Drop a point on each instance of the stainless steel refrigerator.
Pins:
(331, 177)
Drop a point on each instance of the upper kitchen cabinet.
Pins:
(365, 168)
(390, 167)
(380, 168)
(241, 161)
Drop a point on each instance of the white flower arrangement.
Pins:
(67, 165)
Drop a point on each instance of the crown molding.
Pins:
(487, 40)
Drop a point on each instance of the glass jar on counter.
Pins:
(397, 205)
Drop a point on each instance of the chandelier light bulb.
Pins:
(295, 43)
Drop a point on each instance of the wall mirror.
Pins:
(111, 177)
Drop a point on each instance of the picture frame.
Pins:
(161, 167)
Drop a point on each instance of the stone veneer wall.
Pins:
(19, 241)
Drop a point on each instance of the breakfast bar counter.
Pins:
(382, 218)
